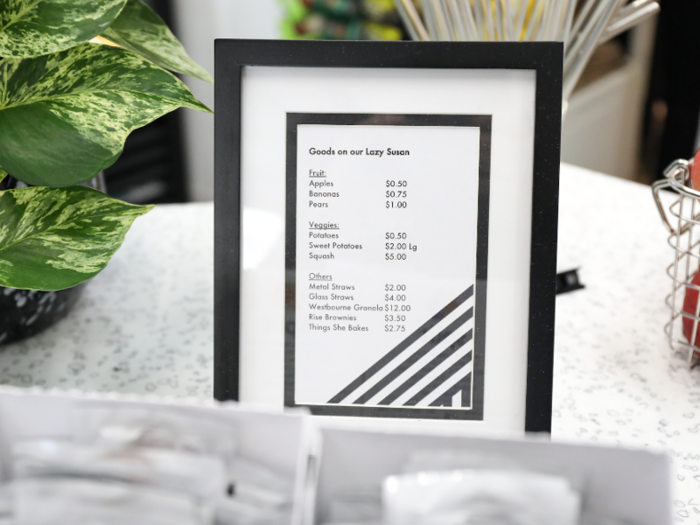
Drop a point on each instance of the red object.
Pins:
(690, 304)
(695, 172)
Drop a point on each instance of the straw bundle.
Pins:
(581, 24)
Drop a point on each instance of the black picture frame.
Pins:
(545, 58)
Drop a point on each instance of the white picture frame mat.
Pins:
(269, 93)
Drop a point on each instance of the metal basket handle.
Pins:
(677, 175)
(656, 188)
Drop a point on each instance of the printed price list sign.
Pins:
(383, 231)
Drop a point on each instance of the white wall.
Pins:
(198, 23)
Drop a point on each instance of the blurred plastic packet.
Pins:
(449, 460)
(71, 501)
(155, 428)
(479, 497)
(247, 481)
(199, 475)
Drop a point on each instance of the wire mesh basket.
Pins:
(683, 329)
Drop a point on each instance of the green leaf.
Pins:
(51, 239)
(64, 117)
(3, 174)
(141, 30)
(30, 28)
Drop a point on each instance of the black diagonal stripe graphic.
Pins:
(439, 380)
(459, 343)
(414, 357)
(464, 385)
(403, 345)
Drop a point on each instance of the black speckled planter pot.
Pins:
(24, 313)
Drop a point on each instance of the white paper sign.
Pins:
(384, 273)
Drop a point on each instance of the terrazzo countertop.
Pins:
(615, 378)
(145, 326)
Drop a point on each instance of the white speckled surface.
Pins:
(145, 326)
(615, 379)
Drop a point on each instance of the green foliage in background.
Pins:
(341, 20)
(66, 108)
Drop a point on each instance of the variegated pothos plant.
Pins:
(76, 77)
